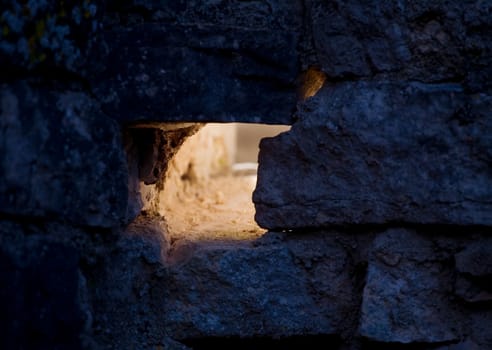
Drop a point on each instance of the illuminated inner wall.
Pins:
(122, 215)
(205, 193)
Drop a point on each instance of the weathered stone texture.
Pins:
(474, 266)
(255, 291)
(476, 259)
(406, 296)
(426, 41)
(375, 153)
(60, 158)
(203, 61)
(43, 292)
(480, 322)
(127, 303)
(46, 35)
(397, 137)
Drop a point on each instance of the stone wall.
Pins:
(378, 200)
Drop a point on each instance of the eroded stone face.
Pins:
(476, 259)
(407, 293)
(474, 267)
(43, 290)
(421, 40)
(398, 136)
(60, 157)
(273, 290)
(374, 153)
(201, 61)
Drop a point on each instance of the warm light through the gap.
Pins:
(248, 170)
(311, 82)
(208, 189)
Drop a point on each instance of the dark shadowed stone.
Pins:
(377, 153)
(400, 135)
(205, 61)
(127, 299)
(406, 297)
(474, 266)
(427, 41)
(60, 157)
(476, 258)
(170, 344)
(44, 35)
(264, 291)
(330, 275)
(473, 289)
(480, 325)
(40, 294)
(464, 345)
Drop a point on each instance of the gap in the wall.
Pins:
(208, 190)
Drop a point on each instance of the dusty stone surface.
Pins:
(60, 157)
(252, 289)
(406, 296)
(128, 288)
(474, 266)
(249, 291)
(395, 144)
(475, 259)
(473, 290)
(374, 153)
(44, 293)
(64, 287)
(479, 325)
(127, 303)
(465, 345)
(149, 151)
(201, 61)
(426, 41)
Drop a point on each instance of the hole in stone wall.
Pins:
(206, 193)
(310, 82)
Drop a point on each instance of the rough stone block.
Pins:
(476, 258)
(472, 289)
(422, 40)
(406, 297)
(60, 158)
(474, 266)
(41, 294)
(205, 61)
(374, 153)
(480, 325)
(249, 292)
